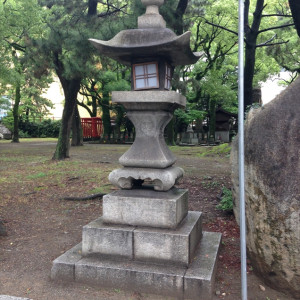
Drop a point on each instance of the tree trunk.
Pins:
(251, 40)
(71, 88)
(16, 114)
(212, 119)
(295, 8)
(77, 136)
(92, 4)
(106, 116)
(180, 10)
(170, 138)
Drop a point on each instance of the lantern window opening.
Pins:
(168, 77)
(145, 75)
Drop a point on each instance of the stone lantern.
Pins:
(147, 240)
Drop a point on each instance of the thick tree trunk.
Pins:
(180, 10)
(170, 133)
(212, 119)
(249, 74)
(251, 40)
(16, 114)
(92, 4)
(77, 136)
(295, 8)
(106, 116)
(71, 88)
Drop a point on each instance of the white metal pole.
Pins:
(241, 153)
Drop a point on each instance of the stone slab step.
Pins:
(194, 282)
(154, 245)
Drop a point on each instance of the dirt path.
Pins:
(41, 225)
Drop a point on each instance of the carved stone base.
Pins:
(161, 179)
(145, 207)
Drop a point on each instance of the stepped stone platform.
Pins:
(179, 262)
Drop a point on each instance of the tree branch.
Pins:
(276, 15)
(109, 13)
(273, 44)
(16, 46)
(270, 40)
(219, 26)
(276, 27)
(85, 106)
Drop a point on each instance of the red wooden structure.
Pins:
(92, 127)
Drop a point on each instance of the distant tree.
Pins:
(260, 31)
(111, 77)
(21, 23)
(70, 24)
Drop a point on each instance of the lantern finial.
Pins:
(152, 17)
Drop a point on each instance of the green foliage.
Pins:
(46, 128)
(221, 150)
(8, 121)
(38, 175)
(226, 202)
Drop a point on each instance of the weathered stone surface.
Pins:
(149, 149)
(272, 189)
(63, 267)
(194, 282)
(162, 179)
(128, 275)
(101, 239)
(200, 276)
(144, 244)
(152, 18)
(163, 42)
(149, 100)
(169, 246)
(5, 132)
(144, 207)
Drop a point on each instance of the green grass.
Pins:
(102, 189)
(221, 150)
(31, 140)
(36, 176)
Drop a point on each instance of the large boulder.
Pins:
(272, 189)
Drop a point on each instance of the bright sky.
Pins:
(270, 89)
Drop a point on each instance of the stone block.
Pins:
(149, 100)
(200, 276)
(145, 207)
(101, 239)
(163, 280)
(162, 179)
(169, 246)
(63, 267)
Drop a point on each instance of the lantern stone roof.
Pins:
(151, 39)
(128, 45)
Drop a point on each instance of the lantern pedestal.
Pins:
(180, 263)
